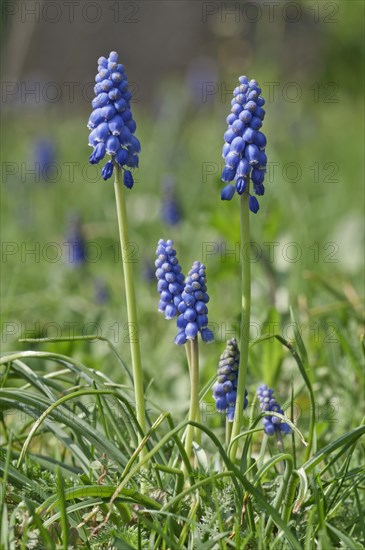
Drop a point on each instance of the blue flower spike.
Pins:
(272, 424)
(244, 147)
(193, 310)
(170, 279)
(111, 122)
(225, 387)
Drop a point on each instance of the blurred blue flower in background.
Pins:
(170, 207)
(111, 122)
(225, 388)
(44, 157)
(101, 291)
(76, 242)
(272, 424)
(244, 147)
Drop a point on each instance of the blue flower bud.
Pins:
(207, 335)
(238, 127)
(259, 140)
(228, 192)
(249, 135)
(228, 174)
(250, 106)
(191, 330)
(240, 185)
(229, 135)
(103, 62)
(121, 156)
(97, 154)
(245, 116)
(106, 85)
(238, 145)
(92, 138)
(257, 176)
(100, 100)
(232, 159)
(112, 145)
(125, 136)
(113, 57)
(170, 311)
(131, 125)
(128, 179)
(114, 94)
(120, 105)
(243, 168)
(225, 149)
(95, 119)
(180, 338)
(102, 132)
(108, 112)
(231, 118)
(252, 154)
(236, 108)
(253, 204)
(116, 125)
(256, 123)
(107, 170)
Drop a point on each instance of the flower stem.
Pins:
(245, 319)
(131, 304)
(194, 394)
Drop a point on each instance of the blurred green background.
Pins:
(184, 59)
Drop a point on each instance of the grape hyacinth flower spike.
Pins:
(272, 424)
(193, 308)
(112, 133)
(170, 279)
(225, 388)
(111, 122)
(244, 147)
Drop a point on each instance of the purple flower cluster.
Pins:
(244, 147)
(225, 388)
(111, 122)
(170, 279)
(193, 308)
(272, 424)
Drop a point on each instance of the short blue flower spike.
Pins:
(272, 424)
(111, 122)
(225, 388)
(170, 278)
(193, 308)
(244, 147)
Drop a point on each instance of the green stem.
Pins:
(228, 433)
(194, 394)
(245, 319)
(131, 305)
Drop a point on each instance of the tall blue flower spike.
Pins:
(170, 279)
(193, 308)
(272, 424)
(111, 122)
(225, 388)
(244, 147)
